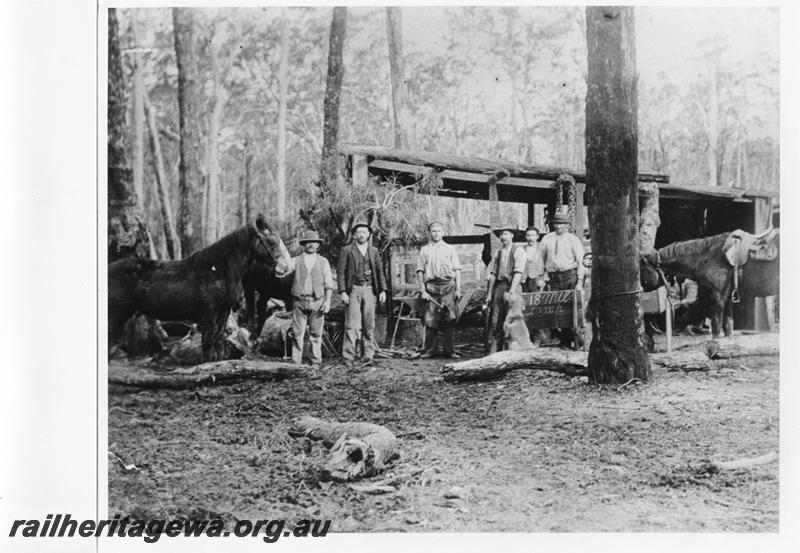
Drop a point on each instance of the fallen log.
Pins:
(734, 350)
(217, 372)
(357, 449)
(745, 463)
(572, 363)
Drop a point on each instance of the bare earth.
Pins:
(533, 452)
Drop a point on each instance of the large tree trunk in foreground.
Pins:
(190, 211)
(127, 233)
(330, 134)
(357, 449)
(217, 372)
(402, 116)
(618, 351)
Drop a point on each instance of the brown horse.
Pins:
(202, 288)
(703, 261)
(260, 281)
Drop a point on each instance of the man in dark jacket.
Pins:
(360, 277)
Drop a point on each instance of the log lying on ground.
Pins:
(217, 372)
(572, 363)
(726, 349)
(357, 449)
(745, 463)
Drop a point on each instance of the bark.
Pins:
(400, 111)
(162, 186)
(330, 135)
(649, 219)
(190, 184)
(618, 352)
(713, 125)
(572, 363)
(504, 167)
(730, 350)
(217, 372)
(357, 449)
(137, 148)
(127, 233)
(220, 98)
(283, 98)
(746, 463)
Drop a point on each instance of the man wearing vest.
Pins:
(439, 280)
(359, 275)
(562, 253)
(533, 279)
(505, 275)
(312, 288)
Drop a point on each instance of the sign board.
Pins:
(554, 309)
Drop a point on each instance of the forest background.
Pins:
(504, 83)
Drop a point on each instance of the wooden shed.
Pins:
(686, 211)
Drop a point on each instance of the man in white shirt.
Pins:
(562, 253)
(439, 280)
(312, 288)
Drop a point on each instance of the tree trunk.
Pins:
(217, 372)
(649, 219)
(618, 351)
(330, 170)
(283, 98)
(713, 125)
(127, 233)
(220, 98)
(400, 112)
(249, 202)
(572, 363)
(357, 449)
(162, 187)
(190, 218)
(137, 148)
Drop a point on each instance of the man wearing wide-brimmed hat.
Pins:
(439, 280)
(360, 278)
(312, 288)
(562, 253)
(505, 275)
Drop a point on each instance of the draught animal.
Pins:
(201, 288)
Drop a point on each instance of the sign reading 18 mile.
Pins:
(556, 309)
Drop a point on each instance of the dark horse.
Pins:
(202, 288)
(259, 278)
(703, 261)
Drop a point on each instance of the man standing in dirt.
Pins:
(533, 279)
(439, 280)
(312, 288)
(359, 275)
(562, 253)
(505, 275)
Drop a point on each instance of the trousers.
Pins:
(359, 319)
(307, 314)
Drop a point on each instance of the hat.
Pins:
(560, 218)
(357, 224)
(310, 236)
(500, 228)
(532, 228)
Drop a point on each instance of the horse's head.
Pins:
(650, 270)
(267, 245)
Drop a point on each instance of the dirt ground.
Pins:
(532, 452)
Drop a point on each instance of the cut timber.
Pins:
(357, 449)
(728, 349)
(746, 463)
(218, 372)
(572, 363)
